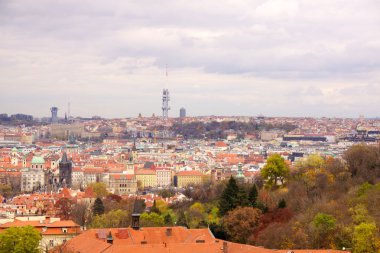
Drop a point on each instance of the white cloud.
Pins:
(231, 57)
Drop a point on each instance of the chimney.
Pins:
(136, 221)
(136, 216)
(225, 247)
(110, 238)
(169, 232)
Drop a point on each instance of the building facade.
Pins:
(32, 179)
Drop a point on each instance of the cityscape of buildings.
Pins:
(136, 157)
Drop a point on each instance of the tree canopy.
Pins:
(20, 240)
(275, 171)
(98, 207)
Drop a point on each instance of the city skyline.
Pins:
(276, 58)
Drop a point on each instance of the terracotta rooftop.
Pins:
(162, 240)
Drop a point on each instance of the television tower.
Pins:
(165, 100)
(165, 104)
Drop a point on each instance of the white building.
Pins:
(32, 179)
(164, 177)
(77, 178)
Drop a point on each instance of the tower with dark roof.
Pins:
(65, 170)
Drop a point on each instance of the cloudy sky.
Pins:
(224, 57)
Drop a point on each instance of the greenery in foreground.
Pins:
(319, 203)
(20, 240)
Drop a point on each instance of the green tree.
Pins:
(275, 171)
(196, 215)
(98, 208)
(112, 219)
(242, 197)
(151, 220)
(20, 240)
(324, 226)
(313, 161)
(213, 216)
(168, 220)
(364, 238)
(229, 198)
(182, 219)
(252, 196)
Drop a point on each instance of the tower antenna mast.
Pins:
(165, 98)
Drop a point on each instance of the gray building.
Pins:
(54, 115)
(182, 112)
(32, 179)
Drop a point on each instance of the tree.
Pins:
(112, 219)
(228, 200)
(151, 220)
(80, 214)
(20, 240)
(275, 171)
(196, 215)
(252, 196)
(242, 197)
(168, 220)
(363, 162)
(5, 190)
(154, 208)
(213, 215)
(364, 238)
(98, 208)
(182, 219)
(64, 208)
(313, 161)
(100, 189)
(166, 193)
(241, 223)
(324, 226)
(282, 203)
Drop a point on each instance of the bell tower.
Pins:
(65, 170)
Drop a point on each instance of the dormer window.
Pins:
(64, 230)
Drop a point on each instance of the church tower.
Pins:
(65, 169)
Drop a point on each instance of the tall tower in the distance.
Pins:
(54, 115)
(182, 112)
(165, 104)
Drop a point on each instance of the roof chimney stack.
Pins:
(225, 247)
(136, 216)
(110, 238)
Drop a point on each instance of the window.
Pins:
(64, 230)
(51, 243)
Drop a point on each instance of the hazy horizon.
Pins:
(293, 58)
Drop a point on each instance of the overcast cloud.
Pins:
(229, 57)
